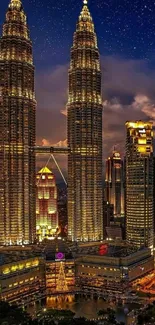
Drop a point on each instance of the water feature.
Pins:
(82, 306)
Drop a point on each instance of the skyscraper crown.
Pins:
(16, 21)
(85, 22)
(85, 13)
(15, 4)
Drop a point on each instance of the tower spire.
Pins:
(15, 4)
(85, 2)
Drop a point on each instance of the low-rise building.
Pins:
(113, 268)
(22, 276)
(53, 267)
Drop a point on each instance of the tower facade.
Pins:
(46, 204)
(114, 183)
(17, 130)
(85, 134)
(139, 184)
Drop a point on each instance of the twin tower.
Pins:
(18, 132)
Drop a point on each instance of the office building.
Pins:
(85, 215)
(17, 130)
(139, 184)
(46, 204)
(114, 183)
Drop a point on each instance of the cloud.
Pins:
(128, 94)
(51, 93)
(116, 114)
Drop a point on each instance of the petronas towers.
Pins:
(18, 132)
(85, 134)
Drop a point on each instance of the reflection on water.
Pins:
(82, 306)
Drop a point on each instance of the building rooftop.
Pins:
(9, 255)
(111, 250)
(53, 247)
(45, 170)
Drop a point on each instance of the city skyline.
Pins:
(129, 96)
(92, 241)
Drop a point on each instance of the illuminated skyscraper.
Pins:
(17, 130)
(139, 184)
(114, 191)
(46, 204)
(85, 134)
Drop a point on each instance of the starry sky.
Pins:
(126, 39)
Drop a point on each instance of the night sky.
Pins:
(126, 39)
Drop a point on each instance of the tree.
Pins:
(13, 315)
(102, 312)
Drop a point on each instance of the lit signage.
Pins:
(142, 131)
(59, 256)
(103, 249)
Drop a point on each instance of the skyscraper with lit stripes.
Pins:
(139, 186)
(17, 130)
(85, 134)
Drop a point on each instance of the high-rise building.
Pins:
(17, 130)
(46, 204)
(114, 183)
(139, 184)
(85, 134)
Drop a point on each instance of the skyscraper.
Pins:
(17, 130)
(114, 189)
(46, 204)
(85, 134)
(139, 184)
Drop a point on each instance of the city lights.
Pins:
(90, 236)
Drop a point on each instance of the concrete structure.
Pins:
(17, 130)
(139, 184)
(85, 213)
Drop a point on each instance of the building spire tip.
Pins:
(85, 2)
(15, 3)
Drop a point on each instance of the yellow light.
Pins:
(35, 263)
(6, 271)
(142, 141)
(142, 149)
(28, 265)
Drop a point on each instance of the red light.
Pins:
(103, 249)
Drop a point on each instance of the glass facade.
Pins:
(85, 134)
(114, 191)
(139, 184)
(17, 130)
